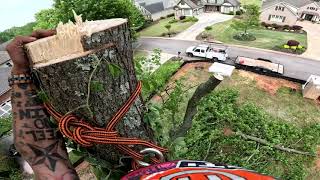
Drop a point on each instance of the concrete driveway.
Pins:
(205, 19)
(313, 31)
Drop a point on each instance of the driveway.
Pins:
(205, 19)
(313, 31)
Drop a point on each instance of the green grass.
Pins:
(158, 28)
(266, 39)
(246, 2)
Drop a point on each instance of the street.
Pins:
(294, 66)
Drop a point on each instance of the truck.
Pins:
(259, 65)
(205, 51)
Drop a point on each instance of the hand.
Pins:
(17, 53)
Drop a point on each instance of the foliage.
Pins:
(168, 27)
(250, 18)
(208, 28)
(244, 37)
(90, 10)
(16, 31)
(173, 21)
(219, 114)
(5, 125)
(190, 19)
(297, 28)
(290, 49)
(152, 77)
(293, 43)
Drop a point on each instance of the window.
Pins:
(279, 8)
(202, 50)
(5, 108)
(276, 18)
(197, 50)
(183, 3)
(312, 8)
(9, 64)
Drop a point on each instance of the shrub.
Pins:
(244, 37)
(286, 46)
(300, 47)
(293, 43)
(204, 35)
(293, 47)
(208, 28)
(182, 17)
(164, 34)
(190, 19)
(173, 21)
(264, 24)
(239, 12)
(297, 28)
(231, 13)
(286, 27)
(162, 17)
(274, 25)
(170, 15)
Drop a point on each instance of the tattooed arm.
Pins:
(38, 143)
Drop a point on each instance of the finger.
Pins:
(43, 33)
(19, 41)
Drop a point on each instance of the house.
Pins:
(187, 8)
(5, 103)
(155, 9)
(223, 6)
(5, 59)
(287, 12)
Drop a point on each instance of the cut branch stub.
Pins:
(73, 69)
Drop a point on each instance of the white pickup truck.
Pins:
(206, 51)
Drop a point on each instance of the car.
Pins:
(205, 51)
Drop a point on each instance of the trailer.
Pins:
(259, 65)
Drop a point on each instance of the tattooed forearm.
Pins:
(40, 144)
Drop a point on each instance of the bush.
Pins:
(204, 35)
(182, 17)
(170, 15)
(164, 34)
(286, 27)
(297, 28)
(264, 24)
(293, 43)
(231, 13)
(293, 47)
(286, 46)
(190, 19)
(239, 12)
(162, 17)
(244, 37)
(208, 28)
(173, 21)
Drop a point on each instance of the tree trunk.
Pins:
(65, 81)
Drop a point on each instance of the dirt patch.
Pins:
(269, 84)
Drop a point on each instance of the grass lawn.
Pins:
(266, 39)
(158, 28)
(246, 2)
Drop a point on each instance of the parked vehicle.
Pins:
(205, 51)
(260, 65)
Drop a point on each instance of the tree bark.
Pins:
(66, 84)
(201, 91)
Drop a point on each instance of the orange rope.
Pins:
(86, 135)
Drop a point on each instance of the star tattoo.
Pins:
(48, 155)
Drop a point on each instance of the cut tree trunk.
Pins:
(64, 67)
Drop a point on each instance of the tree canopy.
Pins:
(15, 31)
(90, 10)
(249, 19)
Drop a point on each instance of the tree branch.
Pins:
(201, 91)
(264, 142)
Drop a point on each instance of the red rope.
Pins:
(86, 135)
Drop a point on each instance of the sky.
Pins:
(20, 12)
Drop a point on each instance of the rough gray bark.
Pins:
(201, 91)
(66, 85)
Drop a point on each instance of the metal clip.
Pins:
(150, 150)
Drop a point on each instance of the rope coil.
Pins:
(84, 134)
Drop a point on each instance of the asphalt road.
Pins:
(294, 66)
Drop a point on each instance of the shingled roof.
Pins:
(4, 57)
(4, 74)
(295, 3)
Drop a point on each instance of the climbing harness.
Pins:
(86, 135)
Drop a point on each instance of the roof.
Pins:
(4, 57)
(3, 45)
(233, 2)
(295, 3)
(190, 3)
(4, 74)
(154, 8)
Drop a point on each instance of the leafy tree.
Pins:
(90, 10)
(168, 27)
(248, 20)
(16, 31)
